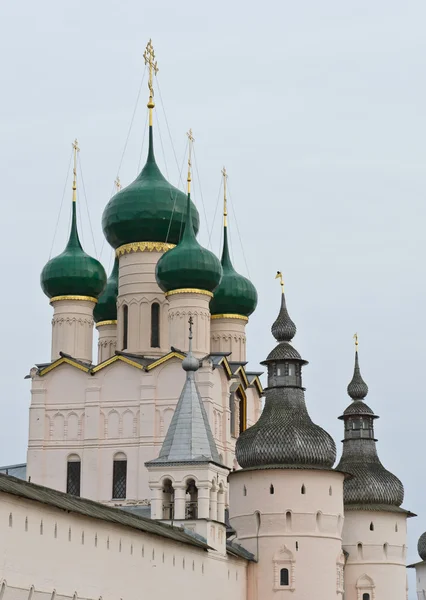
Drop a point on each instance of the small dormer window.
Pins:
(279, 371)
(291, 369)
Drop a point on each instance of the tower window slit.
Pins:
(155, 325)
(303, 489)
(371, 526)
(271, 489)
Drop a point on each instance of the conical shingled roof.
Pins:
(189, 437)
(371, 483)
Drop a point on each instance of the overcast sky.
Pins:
(317, 109)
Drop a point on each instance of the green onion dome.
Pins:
(148, 210)
(188, 265)
(73, 273)
(106, 308)
(235, 294)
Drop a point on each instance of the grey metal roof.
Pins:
(358, 407)
(189, 437)
(283, 328)
(88, 508)
(283, 351)
(357, 388)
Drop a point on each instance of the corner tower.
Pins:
(142, 222)
(375, 528)
(286, 503)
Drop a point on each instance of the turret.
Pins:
(73, 281)
(286, 503)
(105, 315)
(188, 481)
(234, 300)
(375, 529)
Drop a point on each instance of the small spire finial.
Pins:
(117, 184)
(149, 57)
(225, 200)
(190, 363)
(74, 180)
(191, 140)
(279, 276)
(356, 342)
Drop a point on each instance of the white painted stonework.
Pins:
(107, 341)
(229, 335)
(421, 580)
(72, 329)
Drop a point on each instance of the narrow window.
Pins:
(385, 549)
(290, 370)
(119, 478)
(155, 325)
(73, 475)
(244, 491)
(10, 520)
(371, 526)
(297, 546)
(359, 548)
(284, 578)
(125, 325)
(330, 491)
(271, 489)
(26, 523)
(278, 371)
(396, 527)
(366, 597)
(243, 412)
(288, 520)
(41, 527)
(303, 490)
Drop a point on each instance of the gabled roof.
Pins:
(65, 359)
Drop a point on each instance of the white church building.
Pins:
(165, 468)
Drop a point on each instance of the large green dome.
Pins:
(235, 294)
(148, 210)
(73, 273)
(106, 308)
(188, 265)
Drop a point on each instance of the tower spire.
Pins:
(283, 329)
(191, 140)
(225, 200)
(357, 388)
(149, 56)
(74, 179)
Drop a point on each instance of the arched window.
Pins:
(191, 500)
(242, 403)
(371, 526)
(271, 489)
(303, 489)
(288, 520)
(125, 326)
(119, 476)
(366, 597)
(284, 577)
(155, 325)
(73, 475)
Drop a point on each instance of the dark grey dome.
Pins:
(371, 482)
(283, 328)
(421, 546)
(359, 408)
(283, 351)
(357, 388)
(285, 435)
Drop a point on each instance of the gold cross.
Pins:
(117, 184)
(191, 140)
(356, 341)
(225, 205)
(279, 276)
(149, 57)
(74, 180)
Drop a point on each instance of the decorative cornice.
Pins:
(164, 359)
(110, 322)
(143, 247)
(71, 297)
(61, 361)
(189, 291)
(230, 316)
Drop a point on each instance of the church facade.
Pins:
(155, 468)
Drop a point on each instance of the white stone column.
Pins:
(228, 334)
(180, 493)
(187, 303)
(221, 506)
(204, 502)
(138, 289)
(72, 327)
(213, 504)
(107, 342)
(156, 502)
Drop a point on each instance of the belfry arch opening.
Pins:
(168, 500)
(191, 500)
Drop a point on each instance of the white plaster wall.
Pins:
(229, 335)
(381, 556)
(137, 287)
(72, 329)
(119, 409)
(421, 580)
(288, 529)
(54, 550)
